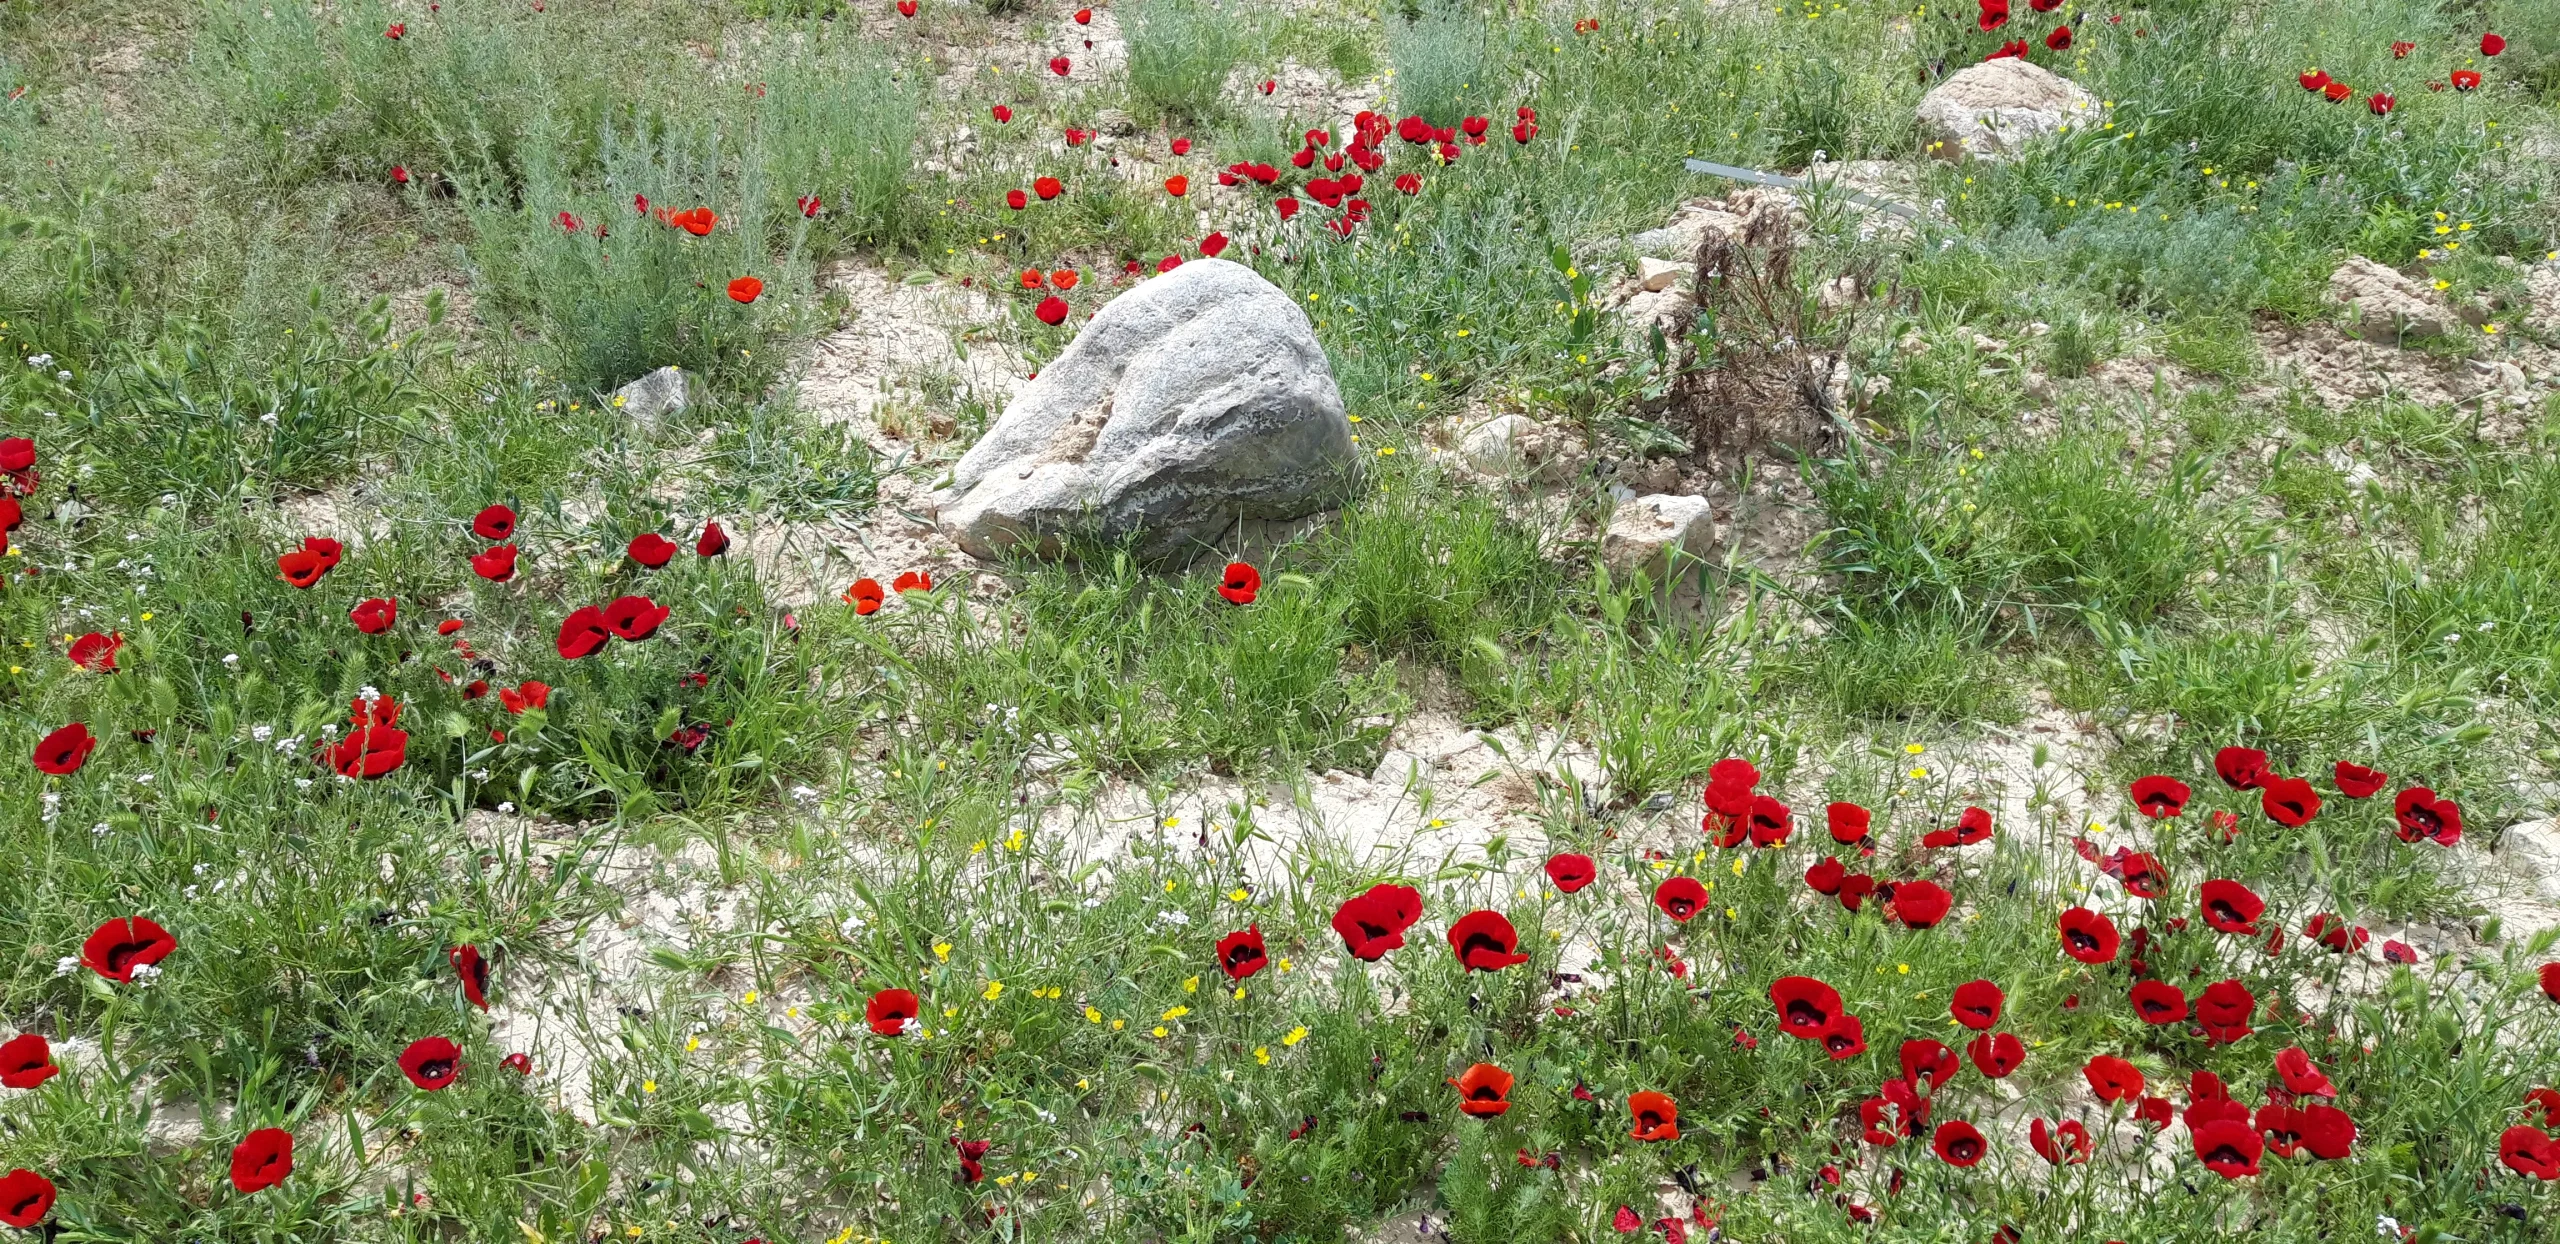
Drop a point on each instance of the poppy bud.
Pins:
(714, 541)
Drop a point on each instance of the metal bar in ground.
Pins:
(1757, 177)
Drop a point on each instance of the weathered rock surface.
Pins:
(2389, 303)
(1993, 110)
(1644, 534)
(666, 391)
(1198, 399)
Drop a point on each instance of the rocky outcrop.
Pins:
(1198, 399)
(2389, 305)
(1660, 535)
(1993, 110)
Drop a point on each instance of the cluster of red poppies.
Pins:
(1995, 15)
(866, 596)
(2381, 103)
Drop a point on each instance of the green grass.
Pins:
(2030, 584)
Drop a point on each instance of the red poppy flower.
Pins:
(431, 1062)
(497, 563)
(1927, 1065)
(1854, 890)
(1523, 132)
(2230, 907)
(1063, 278)
(1805, 1005)
(529, 694)
(302, 567)
(2160, 797)
(865, 596)
(635, 618)
(969, 1151)
(1770, 822)
(2088, 936)
(25, 1198)
(1370, 926)
(2338, 92)
(912, 581)
(1213, 245)
(582, 632)
(373, 617)
(889, 1011)
(2380, 103)
(2158, 1002)
(810, 203)
(1825, 877)
(395, 30)
(2223, 1011)
(2527, 1151)
(1996, 1054)
(1286, 207)
(261, 1160)
(1976, 1004)
(2545, 1100)
(1884, 1120)
(1680, 897)
(26, 1061)
(1848, 823)
(1239, 583)
(745, 289)
(1484, 1090)
(1177, 185)
(474, 971)
(1920, 904)
(1570, 872)
(1047, 188)
(1485, 942)
(1240, 953)
(497, 522)
(1058, 65)
(698, 221)
(2492, 44)
(1973, 826)
(1016, 200)
(1958, 1143)
(2421, 815)
(2464, 80)
(64, 750)
(650, 549)
(2113, 1079)
(2301, 1077)
(370, 751)
(2228, 1149)
(2059, 40)
(2332, 933)
(1052, 311)
(1995, 14)
(713, 541)
(907, 8)
(2244, 768)
(96, 653)
(2067, 1144)
(1084, 17)
(2142, 876)
(1657, 1117)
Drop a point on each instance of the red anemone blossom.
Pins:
(1996, 1054)
(1240, 954)
(2356, 781)
(2332, 932)
(2227, 1148)
(261, 1160)
(2243, 768)
(2338, 92)
(1371, 925)
(2528, 1151)
(1657, 1117)
(529, 694)
(890, 1010)
(25, 1198)
(373, 617)
(635, 618)
(582, 633)
(1484, 941)
(2160, 797)
(431, 1062)
(2421, 815)
(497, 563)
(1976, 1005)
(2465, 80)
(1920, 904)
(969, 1151)
(712, 542)
(118, 947)
(2288, 801)
(2113, 1079)
(1571, 872)
(1958, 1143)
(865, 596)
(2066, 1144)
(1484, 1090)
(1047, 188)
(1805, 1006)
(745, 289)
(1845, 1037)
(2230, 907)
(1927, 1065)
(1680, 897)
(2088, 936)
(26, 1061)
(1052, 311)
(1973, 826)
(1770, 822)
(473, 968)
(1240, 583)
(2059, 40)
(1827, 876)
(1059, 65)
(62, 751)
(698, 221)
(2492, 44)
(1995, 14)
(2380, 103)
(2301, 1077)
(1016, 200)
(1849, 823)
(650, 549)
(2158, 1002)
(370, 751)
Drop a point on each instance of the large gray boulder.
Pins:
(1198, 399)
(1993, 110)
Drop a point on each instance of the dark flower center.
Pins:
(1804, 1014)
(2081, 940)
(1485, 942)
(1649, 1120)
(1484, 1092)
(122, 954)
(2226, 1154)
(436, 1069)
